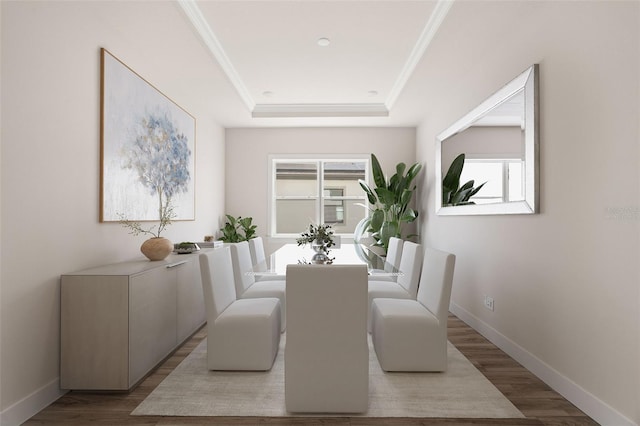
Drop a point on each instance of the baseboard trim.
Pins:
(598, 410)
(30, 405)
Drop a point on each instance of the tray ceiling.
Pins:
(272, 54)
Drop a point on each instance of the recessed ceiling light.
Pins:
(323, 41)
(372, 93)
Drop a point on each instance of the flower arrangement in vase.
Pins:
(156, 247)
(320, 237)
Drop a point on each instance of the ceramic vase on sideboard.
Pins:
(156, 248)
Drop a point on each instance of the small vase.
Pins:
(321, 252)
(156, 248)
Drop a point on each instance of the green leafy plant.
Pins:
(185, 245)
(238, 229)
(452, 193)
(320, 234)
(389, 202)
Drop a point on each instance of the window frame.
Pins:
(320, 160)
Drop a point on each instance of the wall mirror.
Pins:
(500, 141)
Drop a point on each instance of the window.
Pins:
(334, 206)
(504, 179)
(316, 190)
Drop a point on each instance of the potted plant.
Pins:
(320, 237)
(389, 202)
(452, 193)
(186, 247)
(238, 229)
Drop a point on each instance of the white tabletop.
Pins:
(347, 254)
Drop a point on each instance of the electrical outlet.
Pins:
(488, 302)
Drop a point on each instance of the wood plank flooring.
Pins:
(538, 402)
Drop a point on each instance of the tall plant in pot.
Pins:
(389, 202)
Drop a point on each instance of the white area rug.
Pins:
(192, 390)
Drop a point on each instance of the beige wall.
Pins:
(50, 163)
(484, 142)
(565, 281)
(248, 150)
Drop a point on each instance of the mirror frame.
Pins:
(527, 81)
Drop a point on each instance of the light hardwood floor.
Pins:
(539, 403)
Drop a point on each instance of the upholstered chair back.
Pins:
(436, 280)
(394, 252)
(217, 281)
(241, 259)
(410, 266)
(256, 248)
(326, 357)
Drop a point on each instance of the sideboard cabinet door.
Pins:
(94, 338)
(152, 320)
(191, 310)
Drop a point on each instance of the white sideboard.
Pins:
(119, 321)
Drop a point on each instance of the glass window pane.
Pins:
(298, 191)
(294, 216)
(345, 175)
(333, 206)
(296, 179)
(352, 214)
(490, 172)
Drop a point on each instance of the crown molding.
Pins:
(193, 12)
(319, 110)
(428, 32)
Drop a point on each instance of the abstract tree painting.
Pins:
(148, 147)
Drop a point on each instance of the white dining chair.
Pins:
(259, 260)
(256, 248)
(242, 334)
(411, 335)
(245, 281)
(394, 251)
(392, 259)
(326, 356)
(407, 283)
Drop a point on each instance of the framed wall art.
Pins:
(147, 149)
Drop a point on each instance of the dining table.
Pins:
(345, 254)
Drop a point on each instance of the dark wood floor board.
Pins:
(540, 405)
(449, 422)
(254, 421)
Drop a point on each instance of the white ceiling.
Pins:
(268, 50)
